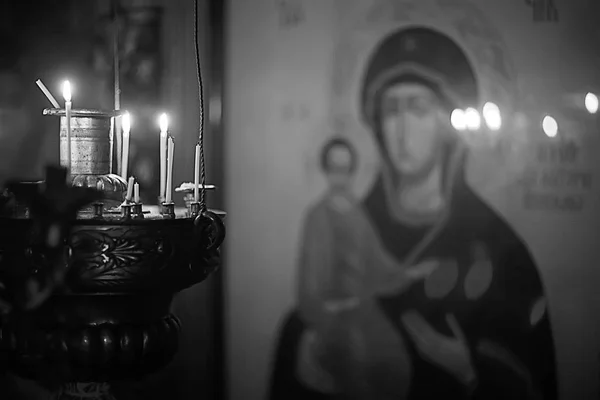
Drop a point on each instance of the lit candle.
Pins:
(68, 105)
(164, 129)
(126, 125)
(129, 190)
(136, 193)
(170, 149)
(197, 174)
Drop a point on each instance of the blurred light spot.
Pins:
(550, 126)
(473, 119)
(591, 103)
(491, 114)
(458, 120)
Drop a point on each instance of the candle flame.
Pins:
(126, 123)
(163, 122)
(67, 90)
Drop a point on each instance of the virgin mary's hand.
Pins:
(452, 354)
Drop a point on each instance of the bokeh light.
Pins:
(473, 119)
(492, 116)
(550, 126)
(458, 120)
(591, 103)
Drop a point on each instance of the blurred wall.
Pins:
(292, 84)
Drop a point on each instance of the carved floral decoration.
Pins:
(115, 254)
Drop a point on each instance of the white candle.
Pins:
(126, 124)
(164, 129)
(68, 108)
(170, 150)
(197, 174)
(47, 93)
(129, 190)
(136, 193)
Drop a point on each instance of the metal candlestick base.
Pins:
(194, 209)
(168, 210)
(137, 211)
(108, 281)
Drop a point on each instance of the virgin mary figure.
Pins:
(477, 327)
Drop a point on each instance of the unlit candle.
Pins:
(129, 189)
(47, 93)
(136, 193)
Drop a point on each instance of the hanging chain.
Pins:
(201, 112)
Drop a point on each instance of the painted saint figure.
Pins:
(343, 270)
(475, 324)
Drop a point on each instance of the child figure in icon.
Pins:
(420, 290)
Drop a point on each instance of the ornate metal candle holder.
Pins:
(87, 291)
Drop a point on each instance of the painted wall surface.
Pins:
(374, 250)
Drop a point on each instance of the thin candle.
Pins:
(170, 150)
(129, 190)
(68, 107)
(197, 174)
(164, 129)
(47, 93)
(112, 143)
(126, 124)
(136, 193)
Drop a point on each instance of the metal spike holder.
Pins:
(86, 292)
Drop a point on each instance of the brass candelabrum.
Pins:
(86, 280)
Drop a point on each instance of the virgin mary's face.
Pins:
(411, 127)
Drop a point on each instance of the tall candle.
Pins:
(129, 190)
(68, 108)
(170, 149)
(197, 174)
(126, 124)
(136, 193)
(164, 129)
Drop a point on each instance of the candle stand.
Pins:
(86, 285)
